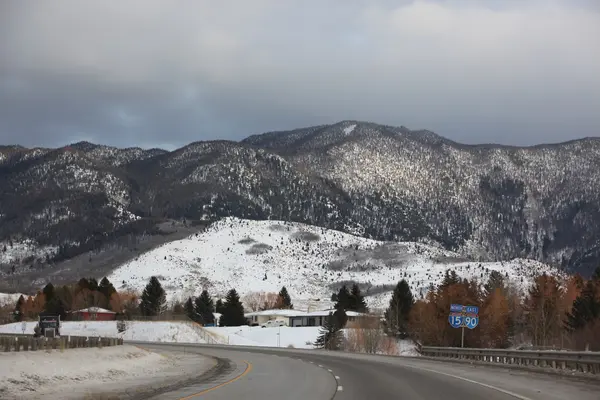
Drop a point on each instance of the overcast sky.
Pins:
(165, 73)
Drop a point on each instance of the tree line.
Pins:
(551, 313)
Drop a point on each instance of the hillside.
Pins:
(64, 210)
(311, 262)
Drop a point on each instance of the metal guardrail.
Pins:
(19, 342)
(583, 361)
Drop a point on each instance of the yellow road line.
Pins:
(246, 372)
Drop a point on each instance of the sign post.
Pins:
(463, 316)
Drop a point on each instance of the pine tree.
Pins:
(189, 309)
(586, 307)
(357, 300)
(219, 306)
(233, 310)
(450, 278)
(285, 300)
(495, 281)
(19, 309)
(107, 290)
(153, 301)
(398, 311)
(53, 303)
(343, 298)
(340, 316)
(204, 308)
(596, 275)
(330, 335)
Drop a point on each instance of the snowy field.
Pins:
(40, 374)
(9, 298)
(183, 332)
(136, 330)
(285, 337)
(310, 261)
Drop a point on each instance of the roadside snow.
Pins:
(147, 331)
(297, 337)
(76, 373)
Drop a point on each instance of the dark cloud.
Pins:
(161, 73)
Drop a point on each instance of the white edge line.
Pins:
(340, 388)
(518, 396)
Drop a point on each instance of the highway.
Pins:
(254, 373)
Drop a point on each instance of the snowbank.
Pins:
(77, 373)
(298, 337)
(135, 330)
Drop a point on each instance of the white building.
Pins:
(261, 317)
(297, 318)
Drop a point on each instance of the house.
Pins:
(261, 317)
(317, 318)
(93, 314)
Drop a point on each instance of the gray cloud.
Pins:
(165, 73)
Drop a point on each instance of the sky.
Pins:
(166, 73)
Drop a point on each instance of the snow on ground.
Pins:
(10, 298)
(14, 251)
(266, 255)
(297, 337)
(150, 331)
(78, 373)
(349, 129)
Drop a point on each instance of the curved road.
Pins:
(254, 373)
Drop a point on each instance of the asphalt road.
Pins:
(253, 373)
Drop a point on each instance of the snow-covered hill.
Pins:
(311, 262)
(10, 298)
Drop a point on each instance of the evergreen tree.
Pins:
(53, 303)
(596, 275)
(233, 310)
(398, 311)
(83, 284)
(107, 290)
(204, 308)
(93, 284)
(343, 298)
(19, 309)
(586, 307)
(153, 300)
(219, 306)
(357, 300)
(284, 299)
(330, 335)
(495, 281)
(340, 316)
(189, 309)
(450, 278)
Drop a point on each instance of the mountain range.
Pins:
(485, 202)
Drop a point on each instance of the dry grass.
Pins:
(366, 335)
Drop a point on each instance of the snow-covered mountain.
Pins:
(487, 202)
(311, 262)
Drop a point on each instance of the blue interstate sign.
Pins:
(472, 310)
(456, 307)
(456, 321)
(471, 322)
